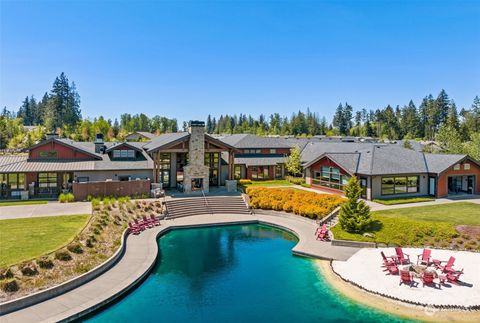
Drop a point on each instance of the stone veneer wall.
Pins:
(196, 160)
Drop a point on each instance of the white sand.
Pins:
(364, 269)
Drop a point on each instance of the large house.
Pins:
(194, 160)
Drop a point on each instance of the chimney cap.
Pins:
(196, 123)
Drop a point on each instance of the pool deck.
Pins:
(140, 255)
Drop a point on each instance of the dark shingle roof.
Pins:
(260, 160)
(165, 139)
(242, 141)
(437, 163)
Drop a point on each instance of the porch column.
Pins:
(231, 160)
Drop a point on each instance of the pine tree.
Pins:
(354, 213)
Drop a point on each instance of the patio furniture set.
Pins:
(140, 225)
(426, 269)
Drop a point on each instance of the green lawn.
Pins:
(22, 203)
(403, 200)
(23, 239)
(454, 213)
(419, 226)
(272, 183)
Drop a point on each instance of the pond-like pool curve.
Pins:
(240, 273)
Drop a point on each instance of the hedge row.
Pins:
(308, 204)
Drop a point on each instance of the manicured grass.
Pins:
(23, 239)
(22, 203)
(403, 200)
(272, 183)
(454, 213)
(417, 226)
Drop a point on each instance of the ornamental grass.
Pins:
(308, 204)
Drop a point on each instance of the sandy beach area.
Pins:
(390, 306)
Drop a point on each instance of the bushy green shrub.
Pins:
(45, 263)
(354, 213)
(29, 270)
(10, 286)
(75, 248)
(6, 274)
(95, 203)
(295, 180)
(66, 198)
(63, 256)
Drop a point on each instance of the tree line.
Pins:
(434, 119)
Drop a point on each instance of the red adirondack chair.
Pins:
(402, 257)
(406, 278)
(154, 220)
(392, 269)
(448, 267)
(387, 262)
(323, 234)
(133, 229)
(425, 257)
(139, 224)
(453, 276)
(147, 222)
(427, 278)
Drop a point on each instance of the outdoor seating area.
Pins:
(140, 225)
(418, 276)
(322, 233)
(429, 271)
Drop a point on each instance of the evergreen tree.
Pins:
(354, 214)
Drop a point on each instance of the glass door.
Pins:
(431, 186)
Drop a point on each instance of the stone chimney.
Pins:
(196, 173)
(99, 144)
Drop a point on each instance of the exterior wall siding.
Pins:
(442, 181)
(63, 152)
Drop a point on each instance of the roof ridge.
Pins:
(425, 161)
(373, 158)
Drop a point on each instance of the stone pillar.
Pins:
(231, 185)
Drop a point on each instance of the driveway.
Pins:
(49, 209)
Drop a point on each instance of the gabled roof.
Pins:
(260, 160)
(123, 144)
(438, 163)
(164, 140)
(243, 141)
(82, 147)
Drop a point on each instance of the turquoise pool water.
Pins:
(243, 273)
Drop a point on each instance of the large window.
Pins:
(400, 185)
(330, 177)
(252, 151)
(237, 171)
(182, 160)
(13, 181)
(212, 160)
(124, 153)
(47, 180)
(260, 172)
(164, 172)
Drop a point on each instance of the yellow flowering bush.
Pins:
(308, 204)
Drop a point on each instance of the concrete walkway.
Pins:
(140, 256)
(49, 209)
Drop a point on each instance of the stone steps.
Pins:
(210, 205)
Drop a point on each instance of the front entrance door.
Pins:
(471, 184)
(363, 185)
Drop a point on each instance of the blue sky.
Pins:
(188, 59)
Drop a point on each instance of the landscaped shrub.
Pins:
(245, 182)
(295, 180)
(10, 286)
(354, 213)
(89, 243)
(95, 203)
(45, 263)
(6, 274)
(29, 270)
(63, 256)
(308, 204)
(75, 248)
(66, 198)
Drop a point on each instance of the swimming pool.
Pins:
(241, 273)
